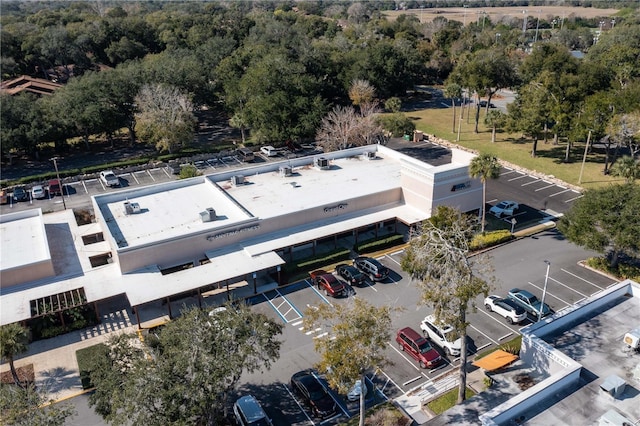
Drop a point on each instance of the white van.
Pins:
(269, 151)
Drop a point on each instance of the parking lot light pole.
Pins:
(55, 164)
(544, 290)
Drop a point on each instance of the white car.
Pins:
(109, 178)
(269, 151)
(504, 208)
(442, 335)
(37, 192)
(506, 308)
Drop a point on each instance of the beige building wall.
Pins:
(26, 273)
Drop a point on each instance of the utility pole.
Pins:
(584, 157)
(55, 164)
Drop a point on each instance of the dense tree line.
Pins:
(278, 68)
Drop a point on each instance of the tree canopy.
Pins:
(187, 372)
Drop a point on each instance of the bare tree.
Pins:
(338, 129)
(438, 260)
(165, 117)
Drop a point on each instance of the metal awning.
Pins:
(495, 360)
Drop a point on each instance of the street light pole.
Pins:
(584, 157)
(535, 39)
(544, 290)
(55, 164)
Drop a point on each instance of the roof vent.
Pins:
(286, 171)
(632, 339)
(322, 163)
(371, 155)
(131, 208)
(209, 215)
(237, 180)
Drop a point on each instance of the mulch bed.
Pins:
(25, 374)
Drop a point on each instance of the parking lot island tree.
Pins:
(186, 371)
(30, 405)
(484, 166)
(437, 260)
(359, 332)
(606, 220)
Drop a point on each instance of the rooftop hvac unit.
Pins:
(613, 418)
(131, 208)
(209, 215)
(237, 180)
(322, 163)
(371, 155)
(286, 171)
(632, 339)
(614, 386)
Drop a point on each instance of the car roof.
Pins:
(411, 334)
(250, 408)
(307, 379)
(522, 292)
(445, 328)
(511, 303)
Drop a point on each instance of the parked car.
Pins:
(269, 151)
(356, 389)
(245, 154)
(249, 412)
(329, 283)
(504, 208)
(442, 335)
(371, 267)
(38, 192)
(529, 302)
(109, 178)
(306, 384)
(483, 104)
(20, 194)
(352, 275)
(418, 347)
(54, 187)
(506, 308)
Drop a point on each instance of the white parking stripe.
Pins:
(506, 173)
(471, 325)
(516, 178)
(558, 193)
(564, 285)
(413, 364)
(551, 294)
(580, 278)
(85, 188)
(529, 183)
(134, 176)
(493, 317)
(505, 336)
(575, 198)
(150, 175)
(545, 187)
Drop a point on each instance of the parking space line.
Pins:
(505, 336)
(545, 187)
(85, 188)
(493, 317)
(471, 325)
(558, 193)
(509, 172)
(518, 177)
(134, 176)
(274, 308)
(402, 355)
(564, 285)
(582, 279)
(573, 199)
(319, 294)
(150, 175)
(391, 258)
(532, 182)
(550, 294)
(482, 347)
(408, 382)
(297, 403)
(389, 379)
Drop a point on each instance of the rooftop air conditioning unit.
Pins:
(286, 171)
(209, 215)
(371, 155)
(632, 339)
(237, 180)
(131, 208)
(322, 163)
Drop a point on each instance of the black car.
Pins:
(371, 267)
(352, 275)
(20, 194)
(306, 384)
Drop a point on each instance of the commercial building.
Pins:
(236, 226)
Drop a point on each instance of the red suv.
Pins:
(418, 347)
(331, 285)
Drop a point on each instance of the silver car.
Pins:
(249, 412)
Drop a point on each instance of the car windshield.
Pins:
(502, 205)
(425, 347)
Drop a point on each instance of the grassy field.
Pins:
(513, 149)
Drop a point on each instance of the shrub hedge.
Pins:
(307, 264)
(623, 271)
(87, 361)
(375, 244)
(489, 239)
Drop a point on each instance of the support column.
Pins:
(96, 311)
(169, 307)
(199, 298)
(135, 310)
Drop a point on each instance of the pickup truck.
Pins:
(109, 178)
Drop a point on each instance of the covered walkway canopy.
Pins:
(495, 360)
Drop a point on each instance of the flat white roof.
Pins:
(22, 239)
(169, 213)
(268, 195)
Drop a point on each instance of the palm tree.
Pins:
(13, 341)
(484, 166)
(626, 167)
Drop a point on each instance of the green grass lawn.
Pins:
(447, 400)
(513, 149)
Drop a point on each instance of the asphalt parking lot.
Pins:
(518, 264)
